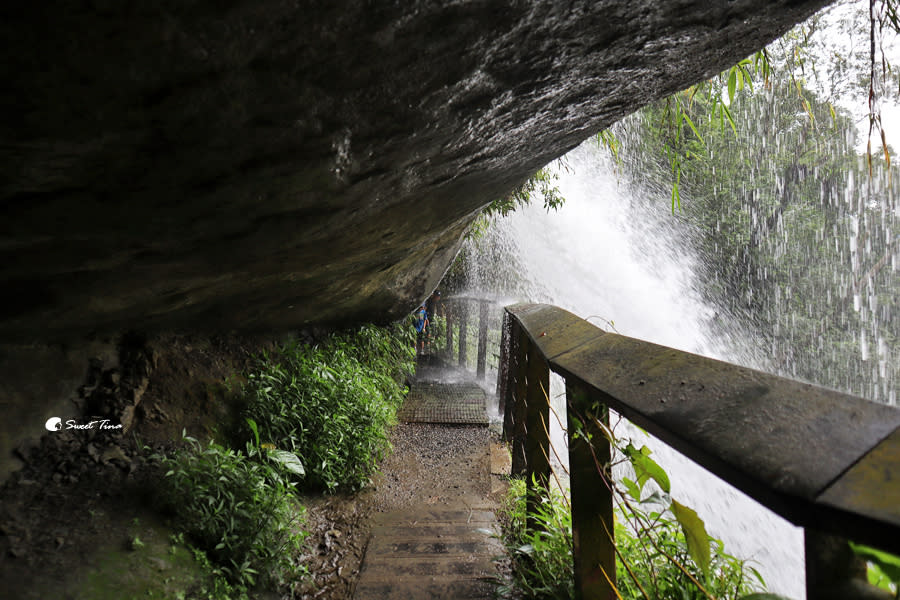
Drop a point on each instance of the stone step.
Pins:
(415, 548)
(436, 589)
(431, 552)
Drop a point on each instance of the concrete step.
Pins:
(431, 552)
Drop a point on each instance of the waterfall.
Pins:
(624, 263)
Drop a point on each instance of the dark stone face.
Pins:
(264, 165)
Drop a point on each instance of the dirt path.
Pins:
(435, 466)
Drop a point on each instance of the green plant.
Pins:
(542, 556)
(215, 585)
(883, 568)
(656, 560)
(662, 546)
(236, 508)
(332, 403)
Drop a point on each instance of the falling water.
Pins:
(626, 264)
(788, 263)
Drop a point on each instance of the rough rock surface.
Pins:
(270, 164)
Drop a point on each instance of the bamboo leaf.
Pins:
(729, 118)
(254, 429)
(732, 82)
(693, 128)
(888, 563)
(695, 534)
(646, 468)
(288, 460)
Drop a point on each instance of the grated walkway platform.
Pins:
(450, 403)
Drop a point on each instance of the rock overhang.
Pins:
(271, 165)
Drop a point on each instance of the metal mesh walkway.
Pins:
(443, 394)
(438, 402)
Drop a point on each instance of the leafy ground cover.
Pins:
(316, 418)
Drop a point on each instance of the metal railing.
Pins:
(823, 460)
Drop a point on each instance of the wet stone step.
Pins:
(408, 549)
(438, 532)
(436, 589)
(425, 569)
(435, 516)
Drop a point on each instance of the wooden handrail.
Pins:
(822, 459)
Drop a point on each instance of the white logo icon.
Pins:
(53, 424)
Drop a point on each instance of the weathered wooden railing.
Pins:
(823, 460)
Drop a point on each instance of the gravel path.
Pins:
(430, 464)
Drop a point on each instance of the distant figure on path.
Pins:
(420, 322)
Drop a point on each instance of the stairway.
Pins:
(431, 553)
(440, 547)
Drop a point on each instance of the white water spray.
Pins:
(621, 262)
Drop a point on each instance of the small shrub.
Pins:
(541, 558)
(333, 403)
(542, 561)
(238, 509)
(662, 566)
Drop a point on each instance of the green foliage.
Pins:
(657, 561)
(540, 184)
(216, 586)
(332, 403)
(694, 533)
(883, 568)
(645, 468)
(794, 235)
(541, 557)
(236, 508)
(663, 548)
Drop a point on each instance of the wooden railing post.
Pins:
(448, 317)
(503, 366)
(520, 403)
(512, 369)
(593, 537)
(463, 331)
(537, 427)
(481, 361)
(834, 571)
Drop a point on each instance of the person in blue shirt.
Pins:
(420, 322)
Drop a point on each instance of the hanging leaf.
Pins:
(695, 534)
(732, 83)
(633, 490)
(693, 128)
(253, 428)
(646, 468)
(729, 118)
(288, 460)
(888, 563)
